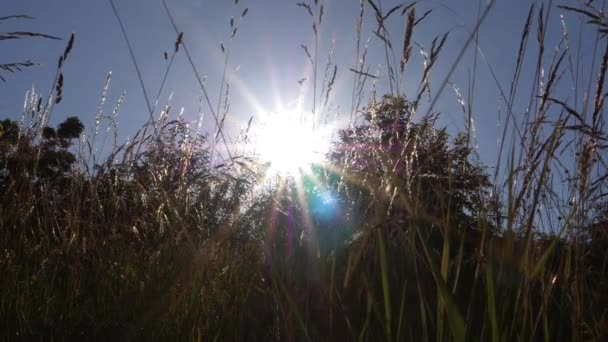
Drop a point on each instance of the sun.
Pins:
(289, 144)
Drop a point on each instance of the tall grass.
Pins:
(161, 240)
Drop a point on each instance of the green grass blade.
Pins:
(455, 320)
(401, 308)
(385, 284)
(491, 299)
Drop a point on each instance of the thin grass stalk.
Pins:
(132, 54)
(469, 40)
(385, 284)
(201, 84)
(455, 320)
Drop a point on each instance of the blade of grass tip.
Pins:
(524, 258)
(511, 192)
(514, 86)
(547, 333)
(425, 335)
(401, 310)
(554, 142)
(459, 258)
(443, 272)
(292, 304)
(22, 34)
(348, 323)
(447, 246)
(543, 259)
(407, 39)
(457, 324)
(599, 98)
(542, 312)
(491, 300)
(367, 317)
(18, 16)
(331, 289)
(473, 286)
(518, 304)
(385, 284)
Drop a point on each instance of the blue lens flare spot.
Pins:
(324, 206)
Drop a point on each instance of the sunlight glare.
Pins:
(289, 144)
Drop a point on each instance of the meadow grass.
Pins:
(175, 236)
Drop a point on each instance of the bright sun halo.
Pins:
(289, 144)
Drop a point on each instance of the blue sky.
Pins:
(265, 55)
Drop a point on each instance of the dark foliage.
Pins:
(46, 158)
(396, 237)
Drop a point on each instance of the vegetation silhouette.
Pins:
(401, 234)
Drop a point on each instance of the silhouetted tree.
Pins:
(411, 170)
(45, 158)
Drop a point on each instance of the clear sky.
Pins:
(266, 59)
